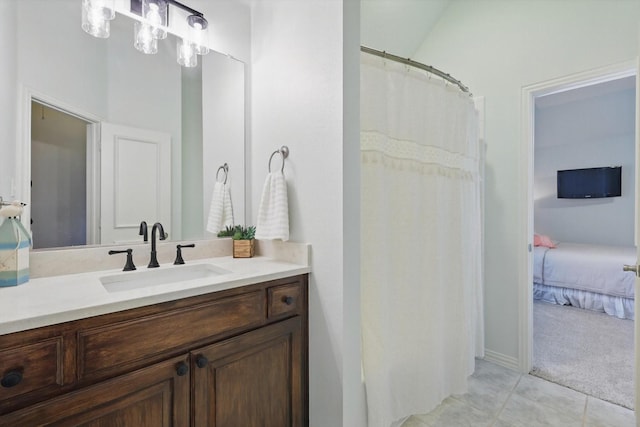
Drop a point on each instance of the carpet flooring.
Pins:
(584, 350)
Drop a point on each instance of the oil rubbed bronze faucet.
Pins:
(129, 266)
(143, 231)
(153, 263)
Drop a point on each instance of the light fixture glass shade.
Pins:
(187, 55)
(107, 7)
(155, 12)
(96, 16)
(143, 38)
(198, 33)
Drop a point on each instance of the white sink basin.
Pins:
(159, 276)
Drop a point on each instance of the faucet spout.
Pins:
(153, 262)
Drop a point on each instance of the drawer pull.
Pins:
(182, 369)
(11, 379)
(287, 300)
(202, 361)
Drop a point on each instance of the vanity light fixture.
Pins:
(196, 42)
(187, 55)
(198, 33)
(151, 26)
(143, 38)
(96, 17)
(156, 13)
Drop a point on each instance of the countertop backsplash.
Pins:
(57, 262)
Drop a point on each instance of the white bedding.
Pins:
(592, 268)
(586, 276)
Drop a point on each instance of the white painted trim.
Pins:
(508, 362)
(636, 302)
(525, 219)
(23, 148)
(93, 184)
(525, 202)
(23, 153)
(479, 102)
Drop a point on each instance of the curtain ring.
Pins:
(225, 168)
(284, 152)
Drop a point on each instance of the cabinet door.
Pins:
(253, 380)
(157, 396)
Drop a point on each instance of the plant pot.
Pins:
(244, 248)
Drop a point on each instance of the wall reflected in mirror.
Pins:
(109, 81)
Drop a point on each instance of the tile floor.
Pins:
(500, 397)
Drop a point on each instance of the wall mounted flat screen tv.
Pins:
(590, 183)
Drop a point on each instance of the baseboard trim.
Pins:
(502, 359)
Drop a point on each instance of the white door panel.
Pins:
(135, 181)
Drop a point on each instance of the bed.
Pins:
(585, 276)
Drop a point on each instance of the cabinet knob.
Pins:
(287, 300)
(11, 379)
(201, 361)
(182, 369)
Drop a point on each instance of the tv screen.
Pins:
(590, 183)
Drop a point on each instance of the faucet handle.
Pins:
(129, 266)
(179, 259)
(143, 231)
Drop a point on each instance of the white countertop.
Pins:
(49, 300)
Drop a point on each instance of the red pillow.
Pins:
(542, 240)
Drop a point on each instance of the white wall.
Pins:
(56, 58)
(398, 26)
(496, 47)
(354, 399)
(8, 28)
(223, 109)
(298, 79)
(594, 132)
(229, 26)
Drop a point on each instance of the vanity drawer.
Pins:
(32, 367)
(284, 299)
(126, 345)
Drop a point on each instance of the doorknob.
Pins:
(633, 268)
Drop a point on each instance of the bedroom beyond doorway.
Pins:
(586, 125)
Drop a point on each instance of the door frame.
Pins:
(23, 154)
(525, 256)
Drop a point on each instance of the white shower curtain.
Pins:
(421, 274)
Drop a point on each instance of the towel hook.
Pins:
(284, 152)
(225, 168)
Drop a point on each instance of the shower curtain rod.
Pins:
(416, 64)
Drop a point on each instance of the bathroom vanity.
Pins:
(224, 351)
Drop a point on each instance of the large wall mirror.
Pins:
(174, 128)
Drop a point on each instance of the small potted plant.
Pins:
(229, 231)
(243, 241)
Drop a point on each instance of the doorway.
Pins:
(545, 94)
(59, 172)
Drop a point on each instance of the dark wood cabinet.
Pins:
(254, 380)
(227, 359)
(156, 396)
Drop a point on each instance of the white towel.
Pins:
(220, 211)
(273, 214)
